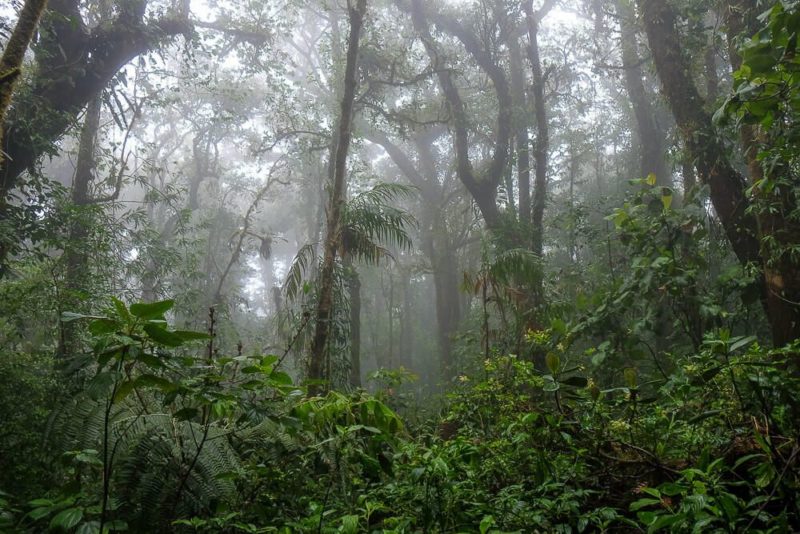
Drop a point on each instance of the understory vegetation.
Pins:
(399, 266)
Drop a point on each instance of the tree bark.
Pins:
(354, 290)
(652, 138)
(521, 125)
(481, 185)
(714, 169)
(726, 185)
(75, 253)
(436, 242)
(781, 272)
(14, 55)
(542, 144)
(325, 304)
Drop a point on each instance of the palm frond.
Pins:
(515, 265)
(304, 258)
(370, 223)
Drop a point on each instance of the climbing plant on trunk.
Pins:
(316, 369)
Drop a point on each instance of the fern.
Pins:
(153, 454)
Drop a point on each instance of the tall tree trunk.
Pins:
(710, 60)
(652, 138)
(14, 55)
(542, 128)
(75, 254)
(354, 290)
(406, 344)
(481, 185)
(436, 242)
(448, 306)
(316, 370)
(521, 132)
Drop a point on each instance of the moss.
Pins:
(14, 54)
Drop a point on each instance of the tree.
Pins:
(74, 62)
(481, 182)
(325, 304)
(747, 231)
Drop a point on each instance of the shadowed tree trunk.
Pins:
(780, 286)
(406, 345)
(354, 290)
(781, 272)
(725, 183)
(316, 370)
(542, 143)
(437, 244)
(75, 254)
(652, 138)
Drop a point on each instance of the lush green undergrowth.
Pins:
(162, 433)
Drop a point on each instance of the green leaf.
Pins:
(124, 390)
(742, 343)
(651, 179)
(154, 381)
(281, 378)
(349, 524)
(666, 199)
(486, 523)
(162, 336)
(38, 513)
(68, 317)
(630, 376)
(642, 503)
(90, 527)
(154, 310)
(122, 309)
(103, 326)
(67, 519)
(553, 362)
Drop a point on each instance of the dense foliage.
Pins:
(400, 266)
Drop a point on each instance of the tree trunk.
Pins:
(652, 139)
(482, 186)
(714, 169)
(75, 254)
(354, 288)
(325, 304)
(781, 273)
(74, 64)
(436, 243)
(726, 185)
(448, 307)
(521, 132)
(14, 55)
(406, 345)
(542, 128)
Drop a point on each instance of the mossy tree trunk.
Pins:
(325, 304)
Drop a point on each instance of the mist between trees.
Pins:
(399, 266)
